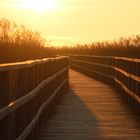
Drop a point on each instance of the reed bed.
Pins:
(122, 47)
(18, 43)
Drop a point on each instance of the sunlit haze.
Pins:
(38, 5)
(75, 21)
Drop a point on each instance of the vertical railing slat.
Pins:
(19, 80)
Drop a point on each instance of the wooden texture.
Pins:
(124, 74)
(91, 110)
(26, 90)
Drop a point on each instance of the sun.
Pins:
(39, 5)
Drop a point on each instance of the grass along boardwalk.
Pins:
(91, 110)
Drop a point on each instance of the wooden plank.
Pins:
(91, 110)
(32, 124)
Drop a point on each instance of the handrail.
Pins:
(132, 94)
(136, 78)
(28, 63)
(91, 63)
(137, 98)
(124, 73)
(28, 129)
(19, 102)
(23, 86)
(100, 73)
(112, 57)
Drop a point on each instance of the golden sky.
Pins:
(75, 21)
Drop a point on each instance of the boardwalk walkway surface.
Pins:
(91, 110)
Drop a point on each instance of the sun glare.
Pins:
(39, 5)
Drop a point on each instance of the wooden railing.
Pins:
(123, 73)
(27, 90)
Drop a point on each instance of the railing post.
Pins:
(13, 94)
(4, 100)
(22, 95)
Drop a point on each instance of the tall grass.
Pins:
(17, 43)
(124, 47)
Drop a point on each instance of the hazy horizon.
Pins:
(75, 21)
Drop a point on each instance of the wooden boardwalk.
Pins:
(91, 110)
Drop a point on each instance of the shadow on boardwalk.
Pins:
(71, 119)
(91, 110)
